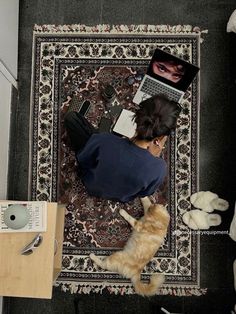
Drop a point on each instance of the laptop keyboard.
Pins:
(152, 88)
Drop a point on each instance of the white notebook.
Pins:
(124, 124)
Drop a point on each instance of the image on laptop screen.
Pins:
(171, 70)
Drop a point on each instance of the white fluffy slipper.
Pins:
(208, 201)
(232, 230)
(234, 269)
(231, 25)
(197, 219)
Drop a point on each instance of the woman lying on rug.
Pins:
(118, 168)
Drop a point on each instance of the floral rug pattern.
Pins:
(78, 61)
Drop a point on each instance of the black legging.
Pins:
(78, 129)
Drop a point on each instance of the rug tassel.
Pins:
(75, 288)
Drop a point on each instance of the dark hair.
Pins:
(156, 117)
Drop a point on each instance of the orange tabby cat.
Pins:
(148, 234)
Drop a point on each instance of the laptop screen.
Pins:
(171, 70)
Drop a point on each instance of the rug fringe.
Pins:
(85, 288)
(118, 29)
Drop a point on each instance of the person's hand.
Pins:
(157, 145)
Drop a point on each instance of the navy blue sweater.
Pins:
(115, 168)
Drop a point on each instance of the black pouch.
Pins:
(105, 125)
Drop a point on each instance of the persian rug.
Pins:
(78, 61)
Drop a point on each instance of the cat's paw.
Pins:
(92, 256)
(145, 202)
(122, 212)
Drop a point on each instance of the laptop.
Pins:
(166, 74)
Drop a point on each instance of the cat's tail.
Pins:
(148, 289)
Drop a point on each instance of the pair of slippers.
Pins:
(206, 202)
